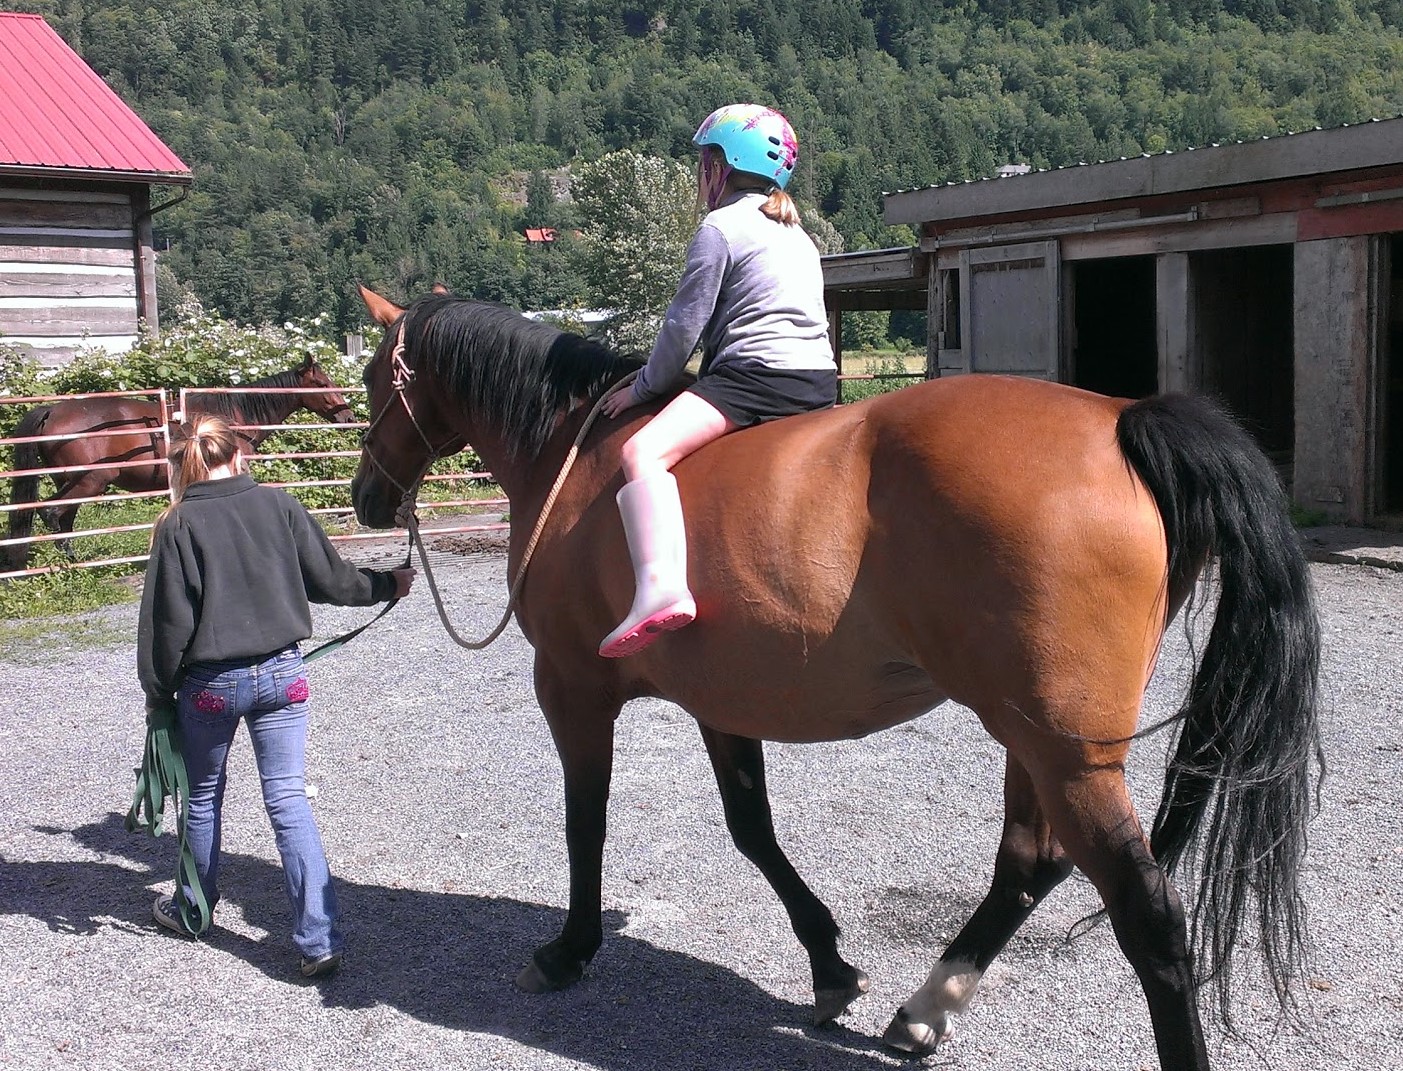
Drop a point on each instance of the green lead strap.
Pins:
(163, 774)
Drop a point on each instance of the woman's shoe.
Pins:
(323, 966)
(167, 914)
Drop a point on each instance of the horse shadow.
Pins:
(449, 959)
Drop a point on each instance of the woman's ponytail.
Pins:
(201, 445)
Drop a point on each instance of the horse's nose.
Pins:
(344, 415)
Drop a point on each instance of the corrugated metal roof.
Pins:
(1143, 156)
(55, 112)
(1312, 153)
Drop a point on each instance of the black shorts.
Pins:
(749, 395)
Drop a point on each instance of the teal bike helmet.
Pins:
(755, 140)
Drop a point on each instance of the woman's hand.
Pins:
(620, 400)
(404, 579)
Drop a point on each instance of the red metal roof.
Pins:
(55, 112)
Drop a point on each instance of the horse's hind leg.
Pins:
(59, 515)
(1092, 815)
(739, 763)
(1029, 865)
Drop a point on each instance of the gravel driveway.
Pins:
(440, 802)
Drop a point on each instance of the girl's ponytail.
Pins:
(781, 208)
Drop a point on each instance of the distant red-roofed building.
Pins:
(540, 235)
(77, 165)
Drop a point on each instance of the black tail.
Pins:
(25, 488)
(1239, 789)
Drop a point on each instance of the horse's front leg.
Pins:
(740, 774)
(582, 725)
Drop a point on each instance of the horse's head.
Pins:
(409, 428)
(331, 403)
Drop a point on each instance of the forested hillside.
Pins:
(406, 141)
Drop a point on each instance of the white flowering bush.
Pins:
(205, 351)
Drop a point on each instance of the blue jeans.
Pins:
(271, 696)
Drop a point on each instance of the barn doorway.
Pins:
(1112, 348)
(1244, 302)
(1391, 373)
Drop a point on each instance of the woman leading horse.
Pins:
(1013, 545)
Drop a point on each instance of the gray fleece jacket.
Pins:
(232, 568)
(751, 293)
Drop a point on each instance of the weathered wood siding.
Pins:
(68, 271)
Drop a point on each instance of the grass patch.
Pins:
(74, 589)
(68, 591)
(43, 641)
(890, 367)
(1308, 518)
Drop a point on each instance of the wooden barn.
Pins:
(77, 167)
(1269, 273)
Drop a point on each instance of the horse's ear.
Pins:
(383, 311)
(309, 363)
(441, 288)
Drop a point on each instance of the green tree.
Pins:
(540, 201)
(638, 214)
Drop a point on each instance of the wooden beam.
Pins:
(935, 317)
(1277, 229)
(58, 286)
(874, 300)
(143, 248)
(27, 252)
(65, 214)
(879, 267)
(67, 320)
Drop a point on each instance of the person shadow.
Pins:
(449, 959)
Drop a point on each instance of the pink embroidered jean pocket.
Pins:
(207, 702)
(298, 691)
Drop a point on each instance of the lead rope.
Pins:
(416, 541)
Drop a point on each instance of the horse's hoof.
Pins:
(533, 980)
(538, 977)
(916, 1039)
(831, 1003)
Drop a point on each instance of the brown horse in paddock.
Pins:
(1013, 545)
(266, 405)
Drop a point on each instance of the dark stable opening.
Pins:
(1246, 339)
(1113, 348)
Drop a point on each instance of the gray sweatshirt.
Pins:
(751, 293)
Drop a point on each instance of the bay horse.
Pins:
(266, 404)
(1016, 546)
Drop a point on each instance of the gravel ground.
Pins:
(440, 802)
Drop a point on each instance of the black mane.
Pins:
(251, 408)
(515, 373)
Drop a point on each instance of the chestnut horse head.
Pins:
(1014, 545)
(272, 399)
(328, 403)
